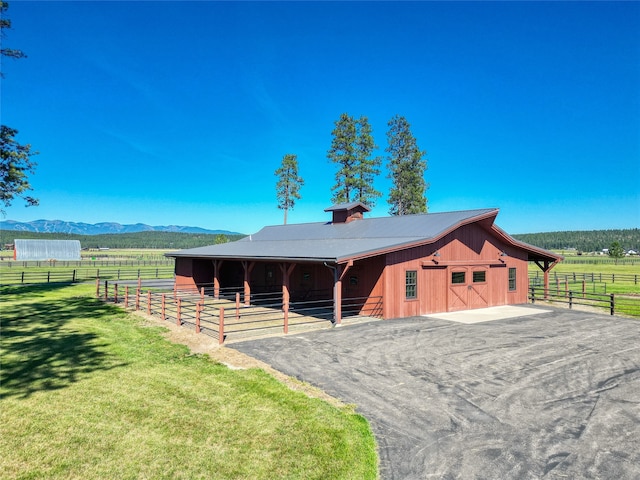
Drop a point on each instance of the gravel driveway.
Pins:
(551, 395)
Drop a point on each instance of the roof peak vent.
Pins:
(347, 212)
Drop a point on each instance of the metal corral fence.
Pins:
(231, 317)
(83, 274)
(628, 305)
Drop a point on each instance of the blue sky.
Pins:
(180, 112)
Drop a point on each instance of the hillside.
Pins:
(162, 240)
(79, 228)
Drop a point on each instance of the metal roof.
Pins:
(347, 206)
(339, 242)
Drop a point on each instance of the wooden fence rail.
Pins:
(84, 263)
(633, 278)
(80, 275)
(228, 315)
(627, 305)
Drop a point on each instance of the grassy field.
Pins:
(90, 392)
(625, 285)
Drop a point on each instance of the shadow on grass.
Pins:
(41, 352)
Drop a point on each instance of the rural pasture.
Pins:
(90, 391)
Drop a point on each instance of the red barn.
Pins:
(414, 264)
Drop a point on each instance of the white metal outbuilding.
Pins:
(38, 250)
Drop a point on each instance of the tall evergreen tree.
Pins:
(342, 153)
(351, 149)
(289, 183)
(15, 159)
(406, 170)
(367, 166)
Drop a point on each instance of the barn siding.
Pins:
(467, 249)
(184, 273)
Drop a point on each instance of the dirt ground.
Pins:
(233, 359)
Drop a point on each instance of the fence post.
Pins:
(137, 299)
(221, 327)
(570, 299)
(115, 293)
(106, 290)
(139, 280)
(613, 278)
(149, 302)
(533, 295)
(73, 279)
(126, 296)
(198, 308)
(48, 276)
(97, 285)
(164, 307)
(22, 280)
(178, 312)
(584, 288)
(237, 305)
(613, 304)
(202, 294)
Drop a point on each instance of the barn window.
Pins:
(479, 276)
(512, 279)
(411, 284)
(458, 277)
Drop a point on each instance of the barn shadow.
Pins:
(40, 351)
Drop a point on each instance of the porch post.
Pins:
(286, 274)
(337, 295)
(546, 279)
(247, 275)
(216, 278)
(339, 274)
(546, 268)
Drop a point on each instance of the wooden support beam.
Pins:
(340, 274)
(247, 267)
(286, 270)
(216, 278)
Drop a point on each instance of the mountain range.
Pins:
(79, 228)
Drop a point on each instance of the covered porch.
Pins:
(330, 289)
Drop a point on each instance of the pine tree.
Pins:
(406, 170)
(289, 183)
(366, 165)
(15, 159)
(351, 149)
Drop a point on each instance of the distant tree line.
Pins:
(160, 240)
(584, 241)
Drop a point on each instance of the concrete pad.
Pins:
(489, 314)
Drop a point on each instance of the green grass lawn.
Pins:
(89, 392)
